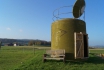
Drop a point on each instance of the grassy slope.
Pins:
(93, 63)
(11, 58)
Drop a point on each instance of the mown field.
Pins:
(28, 58)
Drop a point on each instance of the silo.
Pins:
(62, 34)
(70, 33)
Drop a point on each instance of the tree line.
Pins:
(39, 42)
(24, 42)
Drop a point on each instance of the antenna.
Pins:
(78, 8)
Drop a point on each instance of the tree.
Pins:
(31, 43)
(0, 44)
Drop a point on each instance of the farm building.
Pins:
(70, 33)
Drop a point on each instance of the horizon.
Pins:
(50, 41)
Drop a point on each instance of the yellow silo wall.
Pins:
(62, 34)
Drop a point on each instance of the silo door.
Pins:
(79, 45)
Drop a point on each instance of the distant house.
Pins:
(15, 44)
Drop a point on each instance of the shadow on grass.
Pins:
(94, 59)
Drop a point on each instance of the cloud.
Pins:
(20, 30)
(8, 29)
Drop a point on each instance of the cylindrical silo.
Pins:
(62, 34)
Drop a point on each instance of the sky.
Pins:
(32, 19)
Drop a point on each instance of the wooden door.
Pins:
(79, 45)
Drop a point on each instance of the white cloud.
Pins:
(8, 29)
(20, 30)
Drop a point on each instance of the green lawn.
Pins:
(26, 58)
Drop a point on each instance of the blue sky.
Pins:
(32, 19)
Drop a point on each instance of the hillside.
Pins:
(20, 42)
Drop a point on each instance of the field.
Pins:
(28, 58)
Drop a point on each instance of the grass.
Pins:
(12, 57)
(24, 58)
